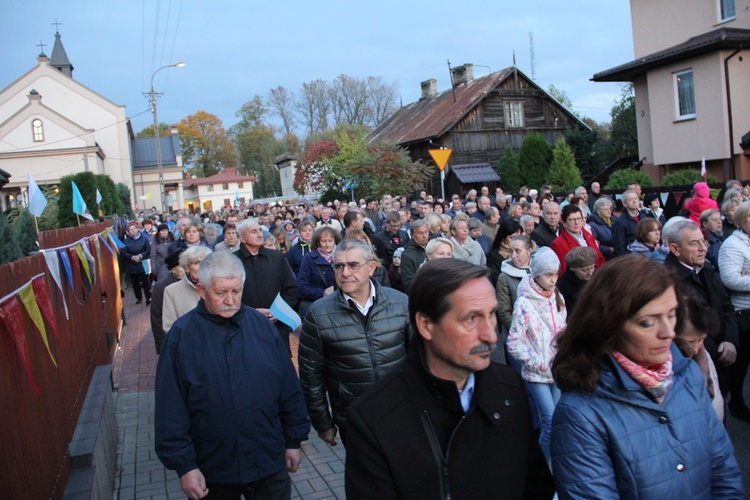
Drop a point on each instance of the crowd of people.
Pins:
(523, 331)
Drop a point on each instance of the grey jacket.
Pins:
(507, 291)
(342, 353)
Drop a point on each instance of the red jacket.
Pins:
(565, 243)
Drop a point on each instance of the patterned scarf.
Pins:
(656, 380)
(325, 255)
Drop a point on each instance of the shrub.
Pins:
(686, 177)
(563, 173)
(507, 169)
(621, 178)
(534, 160)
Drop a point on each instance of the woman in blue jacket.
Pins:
(137, 249)
(316, 279)
(635, 418)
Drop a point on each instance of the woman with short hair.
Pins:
(182, 297)
(464, 247)
(635, 419)
(600, 222)
(316, 278)
(647, 238)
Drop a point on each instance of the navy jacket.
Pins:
(228, 400)
(310, 284)
(139, 246)
(618, 443)
(295, 255)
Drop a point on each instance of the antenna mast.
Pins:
(531, 50)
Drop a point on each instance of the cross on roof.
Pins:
(56, 25)
(41, 45)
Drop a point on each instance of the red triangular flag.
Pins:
(42, 299)
(10, 315)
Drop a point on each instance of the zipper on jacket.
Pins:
(441, 460)
(370, 347)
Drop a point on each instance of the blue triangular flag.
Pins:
(37, 201)
(79, 206)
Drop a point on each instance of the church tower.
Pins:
(59, 59)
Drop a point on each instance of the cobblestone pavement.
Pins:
(139, 472)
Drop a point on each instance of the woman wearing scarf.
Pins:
(316, 278)
(635, 418)
(302, 245)
(137, 249)
(182, 297)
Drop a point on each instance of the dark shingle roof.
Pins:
(723, 38)
(59, 58)
(475, 172)
(144, 152)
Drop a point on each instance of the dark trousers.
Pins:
(140, 281)
(277, 486)
(738, 370)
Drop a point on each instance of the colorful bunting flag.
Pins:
(26, 296)
(53, 265)
(10, 315)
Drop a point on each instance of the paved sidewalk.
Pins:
(139, 472)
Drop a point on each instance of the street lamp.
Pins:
(156, 134)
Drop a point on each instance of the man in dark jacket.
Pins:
(448, 423)
(414, 252)
(687, 258)
(623, 228)
(350, 339)
(549, 227)
(268, 274)
(390, 238)
(229, 415)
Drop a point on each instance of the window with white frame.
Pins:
(210, 187)
(684, 90)
(725, 10)
(37, 128)
(514, 114)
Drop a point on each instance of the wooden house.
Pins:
(476, 118)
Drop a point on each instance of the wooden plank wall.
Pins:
(35, 428)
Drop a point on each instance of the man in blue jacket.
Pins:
(230, 415)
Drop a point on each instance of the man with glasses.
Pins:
(350, 339)
(574, 235)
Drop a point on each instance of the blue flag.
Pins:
(284, 313)
(79, 206)
(37, 201)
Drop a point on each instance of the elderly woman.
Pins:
(512, 271)
(182, 297)
(580, 262)
(316, 278)
(712, 223)
(439, 248)
(464, 247)
(635, 419)
(231, 242)
(727, 214)
(137, 249)
(574, 235)
(734, 262)
(647, 238)
(600, 222)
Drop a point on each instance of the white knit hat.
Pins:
(543, 261)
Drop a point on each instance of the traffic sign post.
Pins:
(351, 184)
(441, 160)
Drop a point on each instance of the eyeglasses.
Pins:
(353, 266)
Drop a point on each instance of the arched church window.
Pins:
(38, 130)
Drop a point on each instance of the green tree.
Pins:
(25, 233)
(686, 177)
(507, 169)
(164, 130)
(48, 220)
(534, 160)
(9, 251)
(86, 183)
(621, 178)
(126, 202)
(561, 96)
(624, 135)
(111, 203)
(563, 173)
(205, 145)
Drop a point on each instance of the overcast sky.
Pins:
(236, 49)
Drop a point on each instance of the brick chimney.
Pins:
(462, 74)
(429, 88)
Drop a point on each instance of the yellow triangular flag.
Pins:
(32, 308)
(84, 261)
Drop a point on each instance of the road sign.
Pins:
(351, 182)
(441, 156)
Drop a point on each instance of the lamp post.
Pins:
(156, 134)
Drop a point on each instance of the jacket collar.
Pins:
(214, 318)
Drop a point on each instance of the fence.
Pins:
(36, 427)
